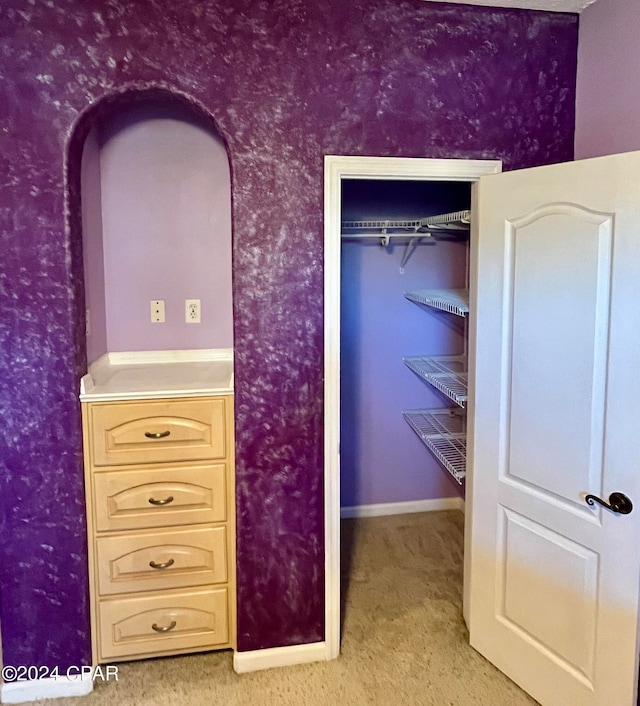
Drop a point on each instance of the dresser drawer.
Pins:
(158, 431)
(156, 624)
(162, 560)
(159, 497)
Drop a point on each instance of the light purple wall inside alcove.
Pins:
(93, 251)
(608, 88)
(164, 232)
(382, 460)
(283, 83)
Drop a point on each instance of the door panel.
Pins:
(550, 611)
(557, 275)
(554, 407)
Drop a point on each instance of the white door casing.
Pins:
(554, 414)
(338, 168)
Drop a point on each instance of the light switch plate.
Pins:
(157, 311)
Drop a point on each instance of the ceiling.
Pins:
(549, 5)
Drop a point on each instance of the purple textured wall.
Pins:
(285, 82)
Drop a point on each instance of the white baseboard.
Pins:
(49, 688)
(401, 508)
(280, 657)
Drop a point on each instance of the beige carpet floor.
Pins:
(404, 639)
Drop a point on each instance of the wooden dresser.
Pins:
(159, 474)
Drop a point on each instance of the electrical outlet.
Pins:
(192, 311)
(157, 311)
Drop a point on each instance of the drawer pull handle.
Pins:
(171, 625)
(164, 565)
(157, 434)
(164, 501)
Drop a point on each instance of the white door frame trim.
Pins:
(337, 168)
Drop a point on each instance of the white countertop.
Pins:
(147, 375)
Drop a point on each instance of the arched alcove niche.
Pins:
(155, 197)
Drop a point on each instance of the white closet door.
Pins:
(555, 415)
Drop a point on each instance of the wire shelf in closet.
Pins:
(455, 301)
(443, 432)
(414, 230)
(447, 373)
(456, 222)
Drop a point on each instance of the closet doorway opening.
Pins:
(397, 186)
